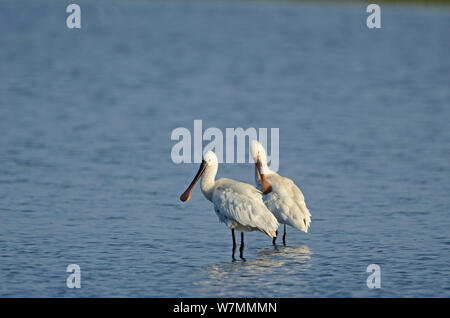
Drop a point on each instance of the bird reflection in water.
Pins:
(272, 268)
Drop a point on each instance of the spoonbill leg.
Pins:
(284, 235)
(234, 244)
(241, 249)
(275, 237)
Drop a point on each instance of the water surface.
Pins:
(86, 175)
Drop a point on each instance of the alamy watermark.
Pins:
(73, 20)
(374, 279)
(183, 152)
(374, 19)
(74, 279)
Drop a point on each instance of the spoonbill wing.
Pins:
(242, 203)
(287, 202)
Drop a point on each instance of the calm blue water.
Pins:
(86, 175)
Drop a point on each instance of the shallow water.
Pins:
(86, 175)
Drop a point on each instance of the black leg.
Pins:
(275, 238)
(241, 249)
(234, 244)
(284, 235)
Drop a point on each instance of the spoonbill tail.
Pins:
(283, 198)
(239, 205)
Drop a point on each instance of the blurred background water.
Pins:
(86, 175)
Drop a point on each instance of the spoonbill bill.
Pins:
(283, 198)
(239, 205)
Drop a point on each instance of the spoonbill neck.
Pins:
(209, 180)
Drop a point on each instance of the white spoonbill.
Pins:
(283, 198)
(238, 205)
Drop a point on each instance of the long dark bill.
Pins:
(187, 194)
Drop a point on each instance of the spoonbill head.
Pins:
(261, 169)
(259, 156)
(209, 162)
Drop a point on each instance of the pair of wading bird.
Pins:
(241, 206)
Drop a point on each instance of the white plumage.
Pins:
(240, 206)
(284, 199)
